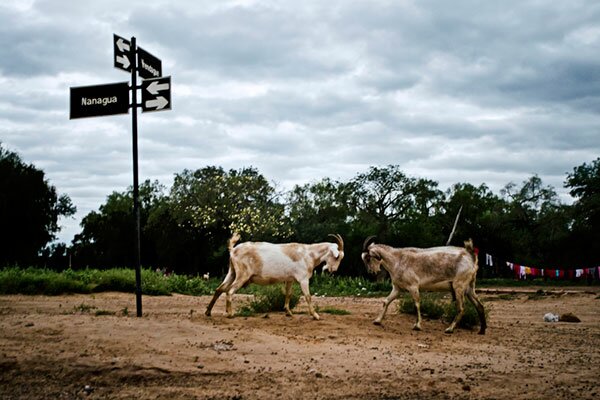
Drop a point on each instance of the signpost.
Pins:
(99, 100)
(113, 98)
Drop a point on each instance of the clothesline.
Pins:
(527, 272)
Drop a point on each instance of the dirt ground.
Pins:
(93, 347)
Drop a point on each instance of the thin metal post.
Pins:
(136, 194)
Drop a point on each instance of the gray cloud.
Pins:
(463, 92)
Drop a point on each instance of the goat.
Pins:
(437, 268)
(266, 263)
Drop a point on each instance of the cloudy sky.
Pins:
(460, 91)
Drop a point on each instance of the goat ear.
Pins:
(375, 254)
(335, 251)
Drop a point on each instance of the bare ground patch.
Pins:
(58, 348)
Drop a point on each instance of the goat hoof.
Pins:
(207, 313)
(481, 332)
(416, 328)
(449, 331)
(376, 322)
(316, 317)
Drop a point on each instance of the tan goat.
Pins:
(437, 268)
(266, 263)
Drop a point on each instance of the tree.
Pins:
(584, 183)
(107, 236)
(212, 203)
(395, 207)
(318, 209)
(532, 208)
(29, 210)
(241, 201)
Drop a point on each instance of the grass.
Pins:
(268, 299)
(44, 281)
(32, 281)
(436, 306)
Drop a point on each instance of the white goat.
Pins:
(437, 268)
(266, 263)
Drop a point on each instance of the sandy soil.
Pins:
(58, 348)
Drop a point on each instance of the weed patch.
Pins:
(268, 299)
(434, 306)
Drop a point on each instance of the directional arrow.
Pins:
(122, 45)
(156, 94)
(124, 61)
(122, 50)
(156, 87)
(158, 104)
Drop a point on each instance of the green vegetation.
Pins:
(185, 228)
(438, 306)
(32, 281)
(39, 281)
(267, 299)
(43, 281)
(333, 285)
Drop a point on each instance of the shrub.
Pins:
(196, 286)
(268, 299)
(431, 305)
(38, 281)
(434, 306)
(116, 279)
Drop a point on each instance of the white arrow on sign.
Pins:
(156, 87)
(124, 60)
(122, 46)
(159, 103)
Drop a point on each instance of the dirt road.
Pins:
(93, 347)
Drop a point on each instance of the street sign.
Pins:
(114, 98)
(156, 94)
(99, 100)
(148, 65)
(122, 53)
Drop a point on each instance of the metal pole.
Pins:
(136, 194)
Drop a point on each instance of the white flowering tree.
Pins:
(220, 202)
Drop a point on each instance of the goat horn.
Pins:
(339, 241)
(368, 241)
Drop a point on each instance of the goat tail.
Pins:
(233, 241)
(471, 250)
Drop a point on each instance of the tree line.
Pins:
(185, 228)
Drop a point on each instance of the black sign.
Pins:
(100, 100)
(148, 65)
(122, 53)
(156, 94)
